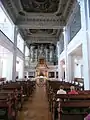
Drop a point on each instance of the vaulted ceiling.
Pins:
(39, 21)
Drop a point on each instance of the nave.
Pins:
(37, 107)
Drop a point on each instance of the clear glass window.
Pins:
(6, 26)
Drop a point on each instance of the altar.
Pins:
(42, 68)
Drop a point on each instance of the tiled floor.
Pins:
(37, 107)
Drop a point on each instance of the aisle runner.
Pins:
(37, 107)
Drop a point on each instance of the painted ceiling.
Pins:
(39, 21)
(43, 6)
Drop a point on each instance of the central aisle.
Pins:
(37, 107)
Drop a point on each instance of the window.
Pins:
(75, 24)
(51, 74)
(6, 26)
(27, 56)
(56, 74)
(61, 43)
(31, 74)
(20, 43)
(89, 7)
(26, 51)
(6, 63)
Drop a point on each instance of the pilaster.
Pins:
(14, 54)
(66, 55)
(70, 68)
(85, 45)
(24, 59)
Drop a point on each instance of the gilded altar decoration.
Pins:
(42, 68)
(42, 64)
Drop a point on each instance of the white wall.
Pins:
(6, 65)
(1, 65)
(6, 43)
(77, 69)
(19, 67)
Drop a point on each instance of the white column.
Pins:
(46, 52)
(66, 56)
(24, 60)
(51, 53)
(60, 76)
(70, 68)
(60, 71)
(85, 45)
(14, 54)
(31, 53)
(36, 55)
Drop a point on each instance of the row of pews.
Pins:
(12, 97)
(66, 106)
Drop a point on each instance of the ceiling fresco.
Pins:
(40, 6)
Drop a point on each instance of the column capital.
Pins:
(81, 2)
(65, 28)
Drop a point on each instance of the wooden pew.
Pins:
(16, 88)
(53, 86)
(20, 89)
(11, 95)
(6, 107)
(67, 102)
(84, 92)
(70, 106)
(28, 87)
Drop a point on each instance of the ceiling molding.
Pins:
(59, 7)
(41, 35)
(67, 5)
(41, 38)
(30, 40)
(40, 32)
(41, 24)
(70, 9)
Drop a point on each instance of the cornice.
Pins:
(41, 40)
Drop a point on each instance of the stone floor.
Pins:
(36, 108)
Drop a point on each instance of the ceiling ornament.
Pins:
(40, 6)
(40, 32)
(35, 31)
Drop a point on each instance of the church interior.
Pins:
(44, 59)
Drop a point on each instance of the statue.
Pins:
(41, 51)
